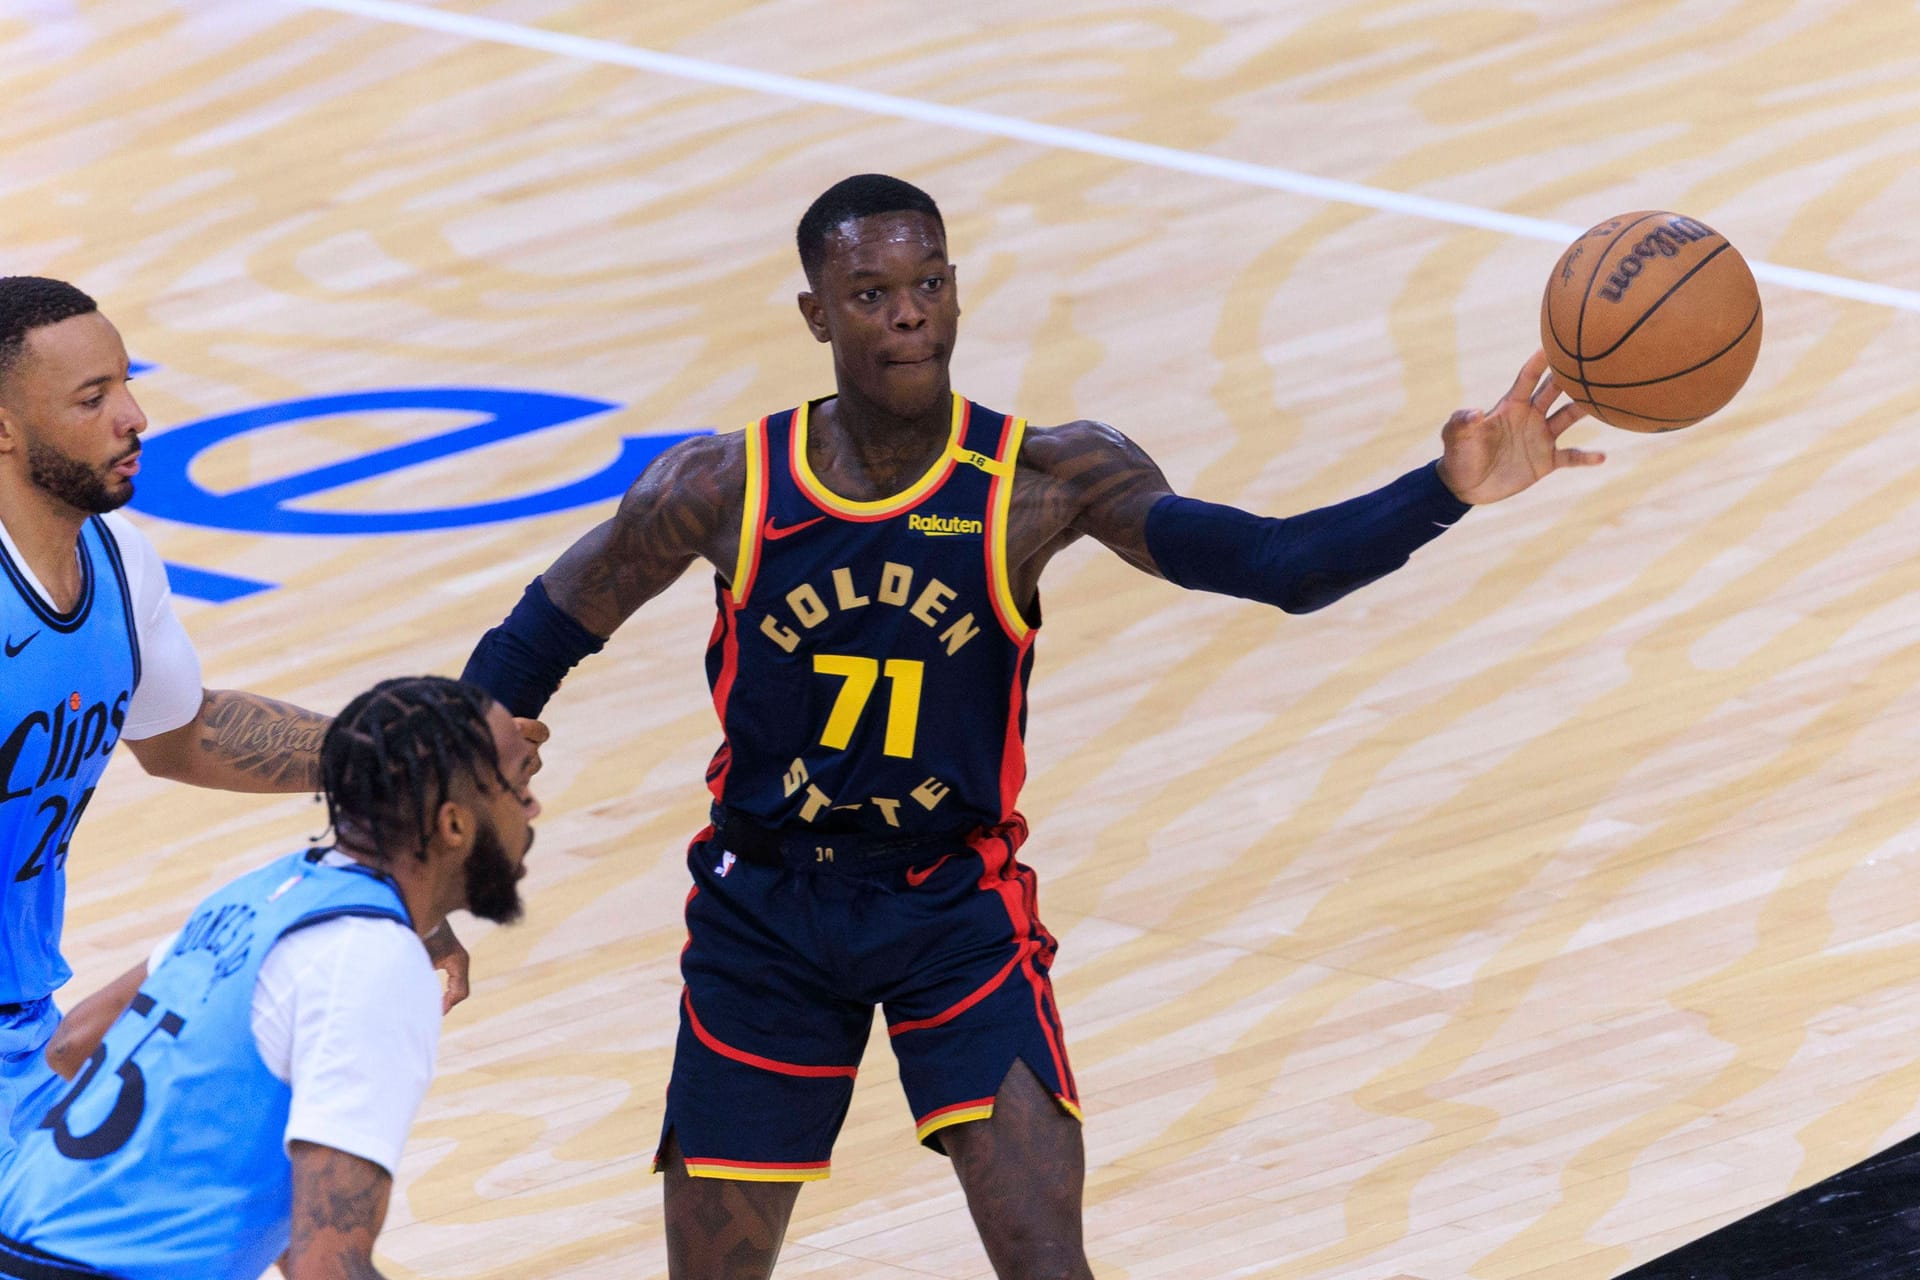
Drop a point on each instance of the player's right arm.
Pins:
(339, 1205)
(686, 506)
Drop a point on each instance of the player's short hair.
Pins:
(862, 196)
(34, 302)
(389, 759)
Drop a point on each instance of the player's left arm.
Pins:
(339, 1206)
(1107, 488)
(87, 1023)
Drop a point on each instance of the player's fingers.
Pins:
(1546, 393)
(1578, 457)
(456, 989)
(1529, 376)
(1565, 417)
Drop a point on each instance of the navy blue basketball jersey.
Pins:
(869, 664)
(65, 683)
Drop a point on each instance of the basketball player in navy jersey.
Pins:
(877, 556)
(93, 655)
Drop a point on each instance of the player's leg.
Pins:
(763, 1068)
(982, 1055)
(721, 1228)
(1023, 1169)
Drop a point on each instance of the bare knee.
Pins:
(1024, 1169)
(718, 1229)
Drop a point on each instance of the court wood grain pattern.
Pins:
(1531, 912)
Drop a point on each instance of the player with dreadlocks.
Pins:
(94, 655)
(245, 1094)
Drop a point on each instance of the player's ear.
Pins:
(814, 312)
(455, 824)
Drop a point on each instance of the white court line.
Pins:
(1046, 135)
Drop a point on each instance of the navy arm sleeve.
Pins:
(522, 661)
(1304, 562)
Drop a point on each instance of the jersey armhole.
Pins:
(753, 514)
(999, 502)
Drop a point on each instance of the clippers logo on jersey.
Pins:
(871, 676)
(63, 704)
(55, 744)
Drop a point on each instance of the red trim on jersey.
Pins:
(1019, 894)
(722, 762)
(725, 1050)
(1013, 754)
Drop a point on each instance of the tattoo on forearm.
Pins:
(275, 742)
(339, 1204)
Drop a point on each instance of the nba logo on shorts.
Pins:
(725, 864)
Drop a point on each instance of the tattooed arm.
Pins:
(239, 742)
(339, 1204)
(686, 506)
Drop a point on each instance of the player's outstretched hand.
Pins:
(449, 957)
(1493, 455)
(536, 733)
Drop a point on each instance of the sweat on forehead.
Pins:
(847, 202)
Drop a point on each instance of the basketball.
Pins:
(1651, 320)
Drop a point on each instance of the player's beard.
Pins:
(73, 481)
(493, 882)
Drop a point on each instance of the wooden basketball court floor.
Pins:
(1530, 913)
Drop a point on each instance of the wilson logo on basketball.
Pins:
(1662, 242)
(944, 526)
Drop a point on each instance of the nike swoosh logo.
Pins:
(771, 531)
(916, 877)
(13, 649)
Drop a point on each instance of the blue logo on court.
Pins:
(167, 488)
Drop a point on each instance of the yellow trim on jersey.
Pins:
(831, 501)
(1001, 582)
(1070, 1108)
(727, 1173)
(752, 512)
(951, 1118)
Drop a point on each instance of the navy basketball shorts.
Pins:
(785, 964)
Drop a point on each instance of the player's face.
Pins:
(888, 305)
(498, 858)
(69, 414)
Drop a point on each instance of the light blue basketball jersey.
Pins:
(166, 1158)
(65, 682)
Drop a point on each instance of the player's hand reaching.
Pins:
(1495, 454)
(536, 733)
(449, 957)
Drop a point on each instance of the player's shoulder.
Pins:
(716, 455)
(374, 954)
(1048, 449)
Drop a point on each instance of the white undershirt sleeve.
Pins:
(170, 682)
(356, 1002)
